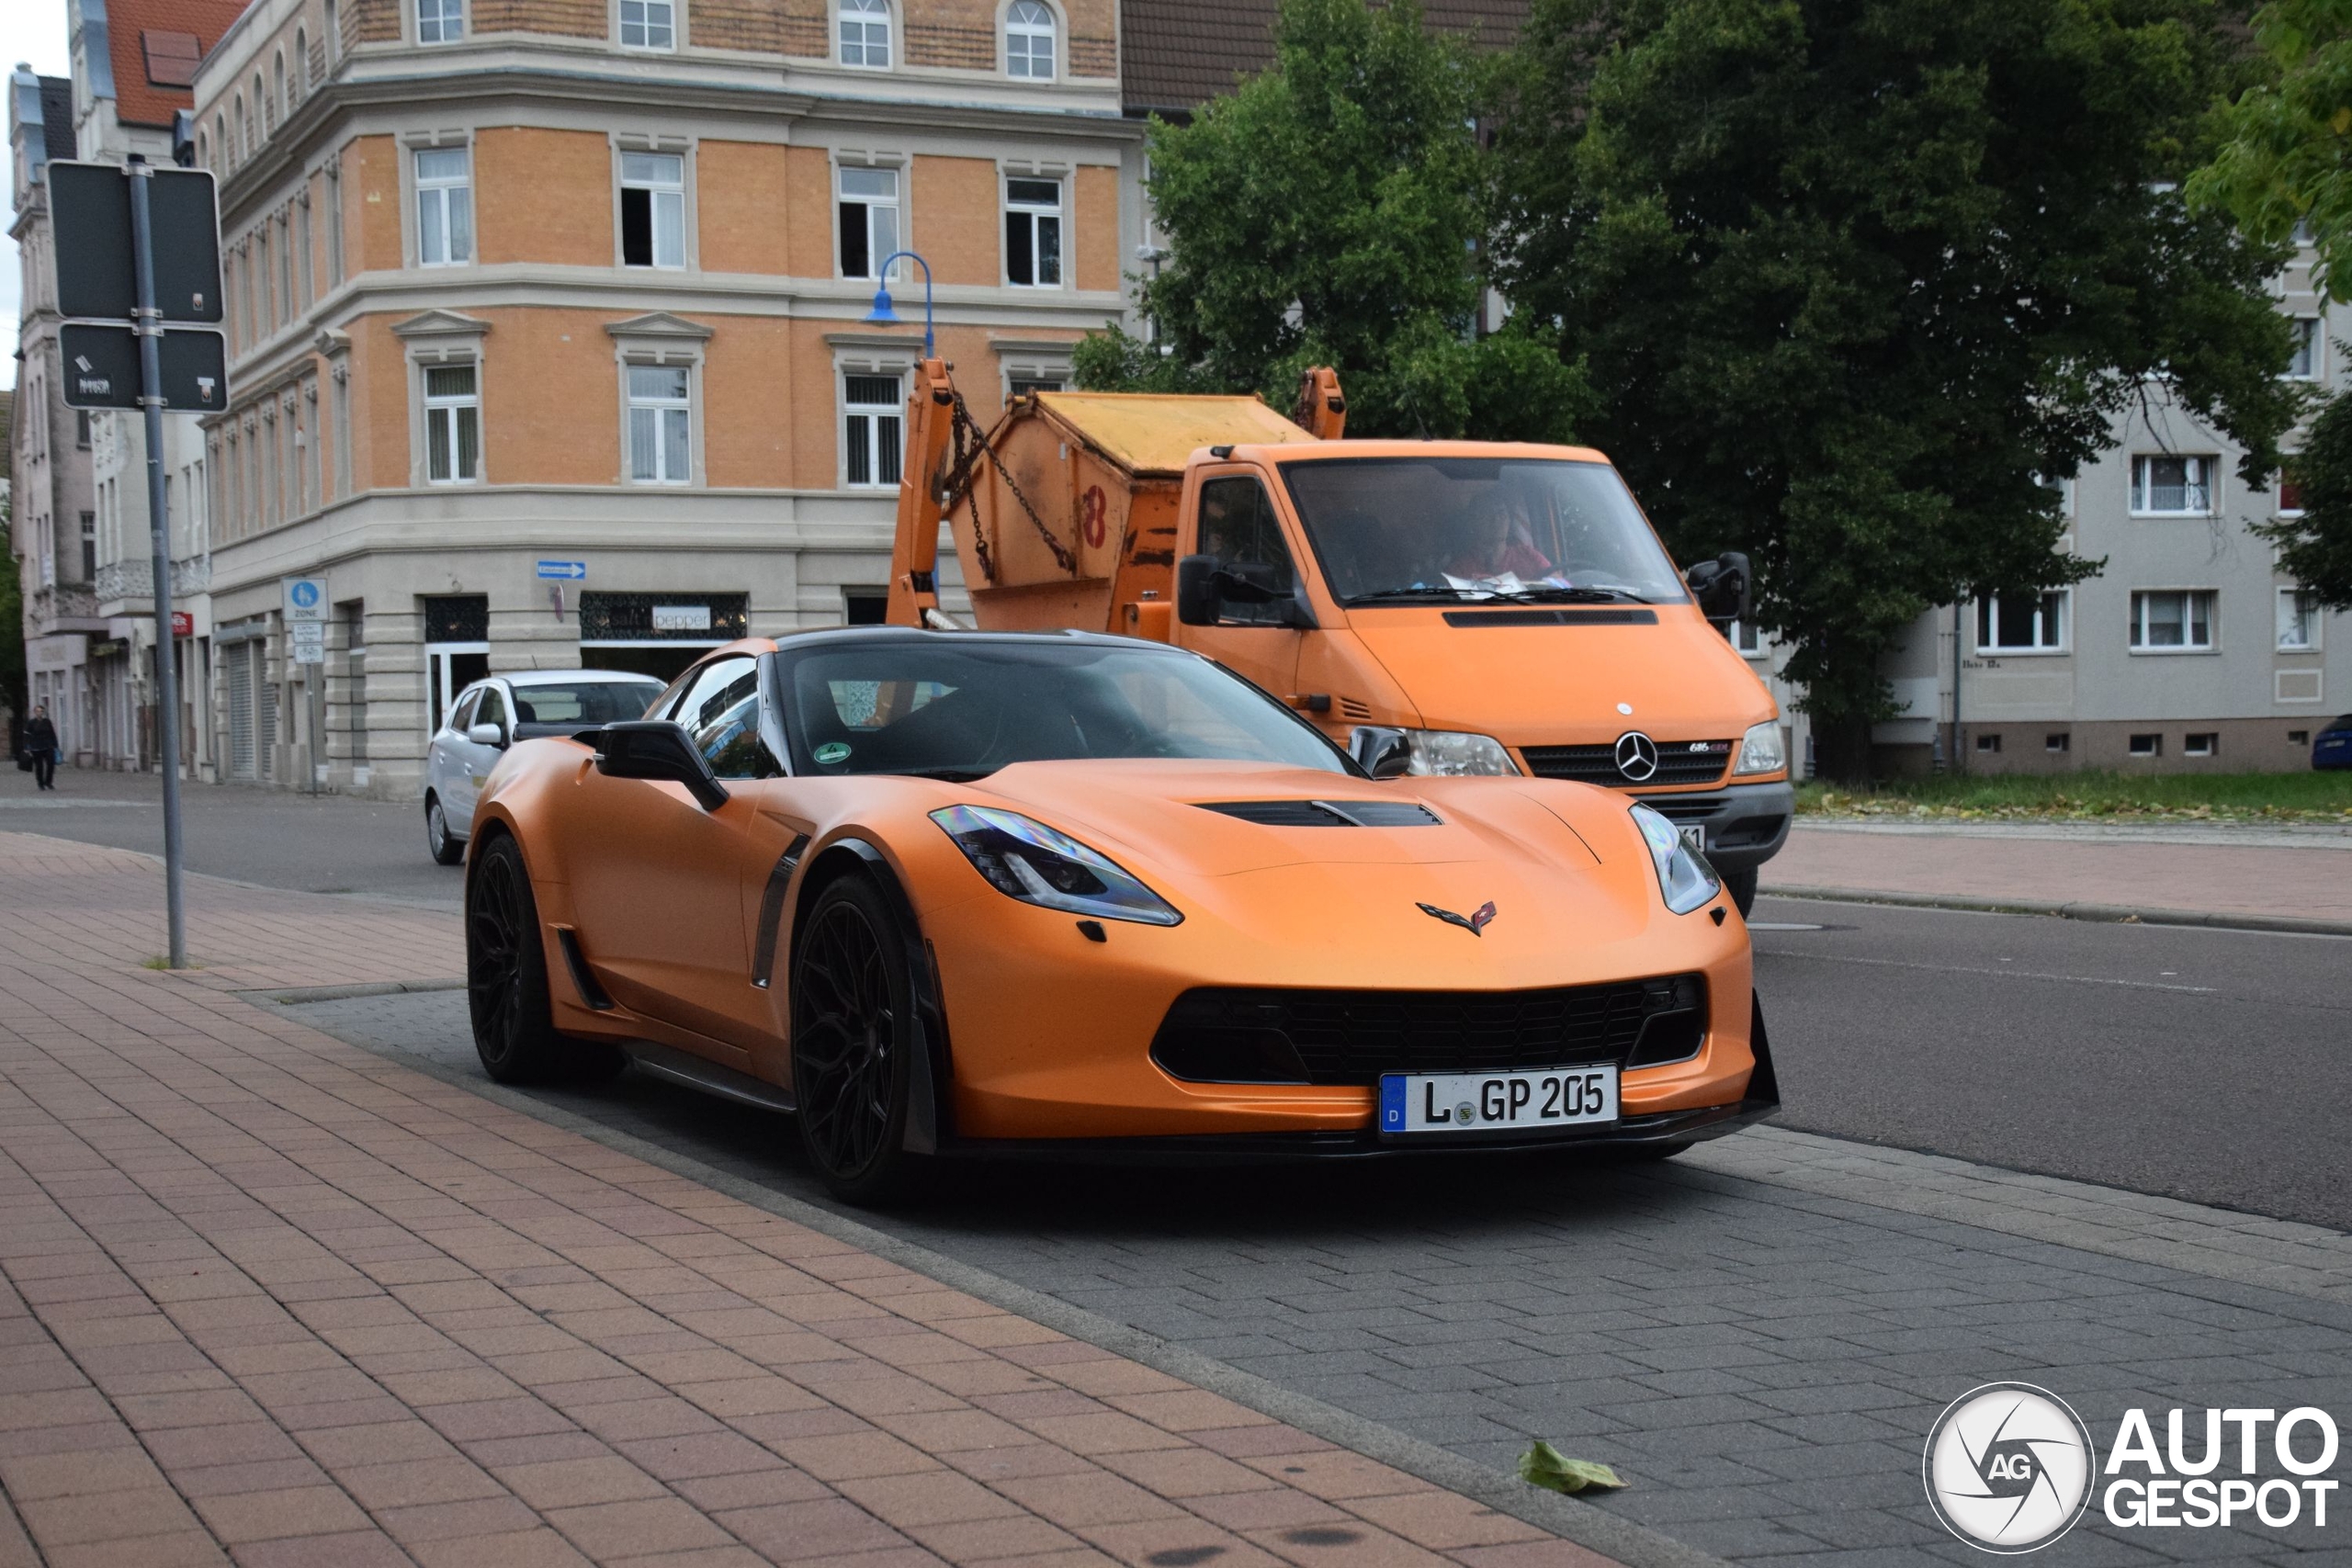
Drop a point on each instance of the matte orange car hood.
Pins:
(1562, 684)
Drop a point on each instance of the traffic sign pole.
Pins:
(167, 686)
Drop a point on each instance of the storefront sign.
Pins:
(182, 624)
(682, 618)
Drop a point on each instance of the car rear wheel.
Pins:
(446, 850)
(853, 1039)
(506, 970)
(1741, 885)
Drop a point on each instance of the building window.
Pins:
(2303, 363)
(2207, 744)
(2172, 487)
(649, 24)
(2298, 737)
(81, 429)
(2172, 621)
(444, 207)
(1023, 386)
(1033, 234)
(653, 209)
(1745, 637)
(876, 412)
(866, 606)
(866, 34)
(2147, 745)
(440, 21)
(659, 408)
(2298, 621)
(1989, 744)
(89, 547)
(869, 219)
(2022, 622)
(452, 424)
(2058, 741)
(1029, 41)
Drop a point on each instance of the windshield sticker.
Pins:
(832, 751)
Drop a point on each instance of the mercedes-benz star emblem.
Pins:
(2009, 1467)
(1636, 756)
(1475, 922)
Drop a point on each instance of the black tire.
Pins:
(445, 847)
(506, 970)
(1741, 885)
(852, 1043)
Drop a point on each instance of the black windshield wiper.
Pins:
(1404, 595)
(1541, 594)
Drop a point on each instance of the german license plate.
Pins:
(1694, 836)
(1529, 1101)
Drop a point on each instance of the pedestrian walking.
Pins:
(40, 744)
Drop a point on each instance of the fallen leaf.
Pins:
(1546, 1466)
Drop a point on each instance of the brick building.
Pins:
(514, 281)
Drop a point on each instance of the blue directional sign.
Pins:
(563, 570)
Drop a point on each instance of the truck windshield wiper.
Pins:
(1541, 594)
(1409, 595)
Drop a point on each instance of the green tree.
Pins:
(1331, 211)
(1848, 274)
(2286, 162)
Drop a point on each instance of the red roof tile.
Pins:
(154, 46)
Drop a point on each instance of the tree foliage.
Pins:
(1331, 211)
(1847, 274)
(2315, 548)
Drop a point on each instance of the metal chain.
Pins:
(959, 479)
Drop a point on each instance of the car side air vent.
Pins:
(1327, 813)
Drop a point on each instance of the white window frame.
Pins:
(656, 191)
(2308, 361)
(450, 408)
(896, 206)
(871, 415)
(449, 194)
(870, 17)
(633, 402)
(1023, 32)
(2213, 746)
(2212, 643)
(1030, 212)
(2313, 616)
(1988, 620)
(2204, 466)
(432, 20)
(648, 25)
(1746, 639)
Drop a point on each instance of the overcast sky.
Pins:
(31, 32)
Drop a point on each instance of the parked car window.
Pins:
(728, 734)
(705, 696)
(587, 703)
(461, 717)
(493, 710)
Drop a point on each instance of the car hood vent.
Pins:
(1327, 813)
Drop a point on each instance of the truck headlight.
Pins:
(1026, 859)
(1762, 749)
(1686, 880)
(1454, 754)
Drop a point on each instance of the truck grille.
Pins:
(1678, 764)
(1251, 1035)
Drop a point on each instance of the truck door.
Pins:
(1236, 522)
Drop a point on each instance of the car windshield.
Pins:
(584, 702)
(1444, 529)
(957, 706)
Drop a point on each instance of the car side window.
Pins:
(705, 688)
(729, 732)
(1238, 526)
(492, 711)
(461, 718)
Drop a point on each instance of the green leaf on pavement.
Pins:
(1544, 1465)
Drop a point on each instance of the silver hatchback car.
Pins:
(491, 714)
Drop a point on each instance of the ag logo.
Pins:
(2009, 1467)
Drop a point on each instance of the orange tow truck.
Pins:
(1449, 607)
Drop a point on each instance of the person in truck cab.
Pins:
(1494, 545)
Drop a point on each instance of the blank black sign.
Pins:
(102, 368)
(90, 212)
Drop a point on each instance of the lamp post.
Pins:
(883, 316)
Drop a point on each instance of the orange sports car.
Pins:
(958, 893)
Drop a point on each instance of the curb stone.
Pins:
(2111, 914)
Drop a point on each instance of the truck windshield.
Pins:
(954, 704)
(1405, 530)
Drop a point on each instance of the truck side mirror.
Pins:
(656, 749)
(1198, 595)
(1383, 752)
(1721, 586)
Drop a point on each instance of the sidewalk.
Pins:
(269, 1299)
(2032, 864)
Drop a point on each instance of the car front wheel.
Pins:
(445, 849)
(1741, 885)
(853, 1039)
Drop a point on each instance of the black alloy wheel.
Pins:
(853, 1039)
(506, 969)
(1741, 885)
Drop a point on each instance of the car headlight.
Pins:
(1028, 861)
(1685, 879)
(1762, 749)
(1452, 754)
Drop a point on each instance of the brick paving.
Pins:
(269, 1299)
(2309, 882)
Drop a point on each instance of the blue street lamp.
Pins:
(883, 316)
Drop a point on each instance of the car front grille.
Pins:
(1684, 807)
(1678, 764)
(1249, 1035)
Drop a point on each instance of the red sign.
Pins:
(182, 624)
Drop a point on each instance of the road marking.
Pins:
(1784, 926)
(2004, 973)
(70, 804)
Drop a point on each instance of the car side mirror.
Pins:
(1383, 752)
(1721, 586)
(486, 735)
(659, 750)
(1198, 598)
